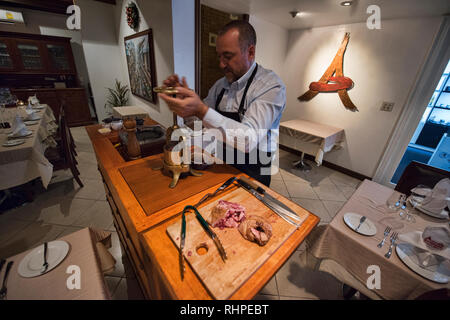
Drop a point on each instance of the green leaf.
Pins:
(118, 96)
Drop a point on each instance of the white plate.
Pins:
(437, 273)
(31, 264)
(29, 133)
(33, 118)
(367, 228)
(415, 204)
(12, 143)
(31, 122)
(38, 107)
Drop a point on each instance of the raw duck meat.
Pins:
(256, 229)
(227, 214)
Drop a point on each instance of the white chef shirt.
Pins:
(264, 105)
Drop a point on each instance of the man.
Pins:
(248, 101)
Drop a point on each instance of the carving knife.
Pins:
(263, 192)
(282, 212)
(209, 231)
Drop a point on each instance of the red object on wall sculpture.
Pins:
(340, 83)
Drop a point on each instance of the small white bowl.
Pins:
(117, 125)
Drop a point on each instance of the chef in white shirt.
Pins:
(248, 100)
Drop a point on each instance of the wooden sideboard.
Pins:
(75, 101)
(37, 64)
(156, 262)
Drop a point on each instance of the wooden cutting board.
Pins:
(222, 279)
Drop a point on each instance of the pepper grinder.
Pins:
(133, 147)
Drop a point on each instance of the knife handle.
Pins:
(253, 185)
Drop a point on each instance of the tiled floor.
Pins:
(65, 208)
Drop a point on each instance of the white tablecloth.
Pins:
(310, 137)
(347, 255)
(84, 253)
(23, 163)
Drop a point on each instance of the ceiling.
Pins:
(319, 13)
(53, 6)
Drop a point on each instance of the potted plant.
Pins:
(118, 96)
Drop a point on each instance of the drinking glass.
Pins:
(393, 204)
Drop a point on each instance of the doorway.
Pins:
(416, 111)
(211, 20)
(429, 143)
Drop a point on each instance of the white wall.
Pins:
(383, 65)
(271, 45)
(103, 58)
(183, 22)
(157, 15)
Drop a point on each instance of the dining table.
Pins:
(310, 137)
(76, 266)
(24, 162)
(355, 257)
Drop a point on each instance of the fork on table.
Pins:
(386, 232)
(393, 239)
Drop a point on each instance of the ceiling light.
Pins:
(346, 3)
(294, 13)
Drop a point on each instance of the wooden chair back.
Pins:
(66, 146)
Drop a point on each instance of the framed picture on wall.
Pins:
(140, 54)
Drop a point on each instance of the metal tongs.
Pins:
(203, 223)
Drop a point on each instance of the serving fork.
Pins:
(393, 239)
(386, 232)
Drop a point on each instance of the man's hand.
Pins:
(186, 104)
(174, 81)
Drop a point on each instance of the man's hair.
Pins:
(247, 34)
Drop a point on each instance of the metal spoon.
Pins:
(363, 218)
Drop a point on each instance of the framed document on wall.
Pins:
(140, 54)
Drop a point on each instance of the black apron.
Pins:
(251, 169)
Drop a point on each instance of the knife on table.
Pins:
(209, 231)
(282, 212)
(263, 192)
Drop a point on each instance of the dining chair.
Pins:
(58, 133)
(419, 173)
(62, 156)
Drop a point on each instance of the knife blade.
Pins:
(209, 231)
(268, 196)
(283, 213)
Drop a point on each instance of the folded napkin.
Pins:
(33, 100)
(426, 256)
(421, 191)
(32, 115)
(436, 200)
(18, 127)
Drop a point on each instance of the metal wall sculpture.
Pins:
(328, 83)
